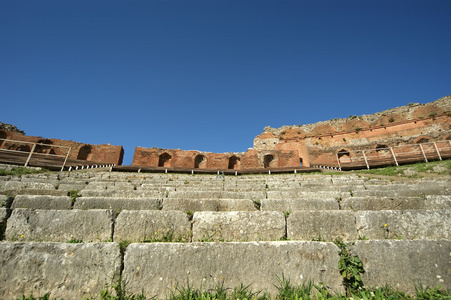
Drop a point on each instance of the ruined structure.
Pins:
(319, 143)
(252, 159)
(328, 143)
(108, 154)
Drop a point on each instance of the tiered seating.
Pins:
(234, 229)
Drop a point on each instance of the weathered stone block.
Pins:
(302, 204)
(238, 226)
(68, 271)
(390, 203)
(402, 264)
(123, 194)
(42, 202)
(16, 185)
(297, 194)
(209, 205)
(156, 268)
(71, 186)
(217, 195)
(413, 224)
(59, 225)
(118, 204)
(138, 226)
(321, 225)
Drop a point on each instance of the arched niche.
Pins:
(85, 152)
(344, 156)
(268, 161)
(24, 148)
(200, 161)
(382, 149)
(234, 163)
(423, 140)
(164, 160)
(44, 148)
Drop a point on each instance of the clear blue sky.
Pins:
(210, 75)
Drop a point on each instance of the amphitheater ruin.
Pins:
(178, 217)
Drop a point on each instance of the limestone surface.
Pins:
(289, 205)
(68, 271)
(412, 224)
(238, 226)
(158, 268)
(139, 226)
(402, 264)
(117, 203)
(321, 225)
(209, 205)
(42, 202)
(59, 225)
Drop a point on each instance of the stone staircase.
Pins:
(158, 231)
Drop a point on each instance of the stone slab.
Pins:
(402, 264)
(395, 203)
(302, 195)
(42, 202)
(123, 194)
(17, 185)
(217, 195)
(68, 271)
(71, 186)
(52, 192)
(156, 268)
(321, 225)
(209, 205)
(139, 226)
(302, 204)
(412, 224)
(238, 226)
(118, 204)
(59, 225)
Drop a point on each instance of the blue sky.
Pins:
(210, 75)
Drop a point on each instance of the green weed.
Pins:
(350, 267)
(19, 171)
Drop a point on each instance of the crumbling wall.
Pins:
(176, 158)
(106, 153)
(318, 143)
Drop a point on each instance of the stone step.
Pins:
(123, 194)
(410, 225)
(373, 225)
(238, 226)
(300, 204)
(301, 195)
(59, 225)
(41, 192)
(19, 185)
(210, 204)
(139, 226)
(396, 203)
(42, 202)
(66, 271)
(156, 269)
(118, 204)
(404, 264)
(216, 195)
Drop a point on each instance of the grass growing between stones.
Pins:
(285, 291)
(412, 170)
(19, 171)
